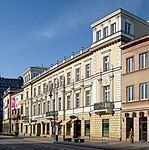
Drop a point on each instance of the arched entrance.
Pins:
(38, 129)
(77, 128)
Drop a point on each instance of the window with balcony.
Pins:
(68, 102)
(60, 103)
(77, 100)
(87, 127)
(130, 93)
(88, 98)
(98, 35)
(39, 90)
(143, 60)
(113, 28)
(105, 127)
(127, 28)
(87, 71)
(105, 32)
(105, 63)
(106, 93)
(77, 74)
(143, 91)
(68, 78)
(130, 64)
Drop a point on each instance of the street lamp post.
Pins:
(54, 112)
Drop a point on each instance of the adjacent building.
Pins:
(135, 85)
(6, 83)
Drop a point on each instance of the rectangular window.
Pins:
(87, 71)
(48, 106)
(130, 93)
(77, 100)
(44, 107)
(60, 103)
(98, 35)
(143, 60)
(34, 110)
(39, 90)
(127, 27)
(106, 93)
(88, 98)
(26, 94)
(87, 127)
(61, 81)
(143, 91)
(21, 110)
(77, 74)
(68, 78)
(106, 63)
(105, 127)
(68, 102)
(34, 92)
(44, 88)
(105, 32)
(39, 109)
(130, 64)
(113, 28)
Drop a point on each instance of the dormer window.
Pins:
(127, 27)
(105, 32)
(98, 35)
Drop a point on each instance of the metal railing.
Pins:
(103, 105)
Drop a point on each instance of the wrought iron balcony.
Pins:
(104, 105)
(15, 116)
(25, 118)
(51, 114)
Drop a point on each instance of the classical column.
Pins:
(136, 127)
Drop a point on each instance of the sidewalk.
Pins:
(110, 145)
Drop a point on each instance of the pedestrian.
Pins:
(131, 136)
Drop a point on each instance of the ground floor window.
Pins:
(59, 130)
(68, 128)
(48, 128)
(26, 129)
(105, 127)
(43, 128)
(12, 128)
(21, 127)
(87, 127)
(33, 128)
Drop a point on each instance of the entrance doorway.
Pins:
(77, 128)
(143, 128)
(38, 129)
(129, 126)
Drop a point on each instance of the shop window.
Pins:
(87, 127)
(105, 127)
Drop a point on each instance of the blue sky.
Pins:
(36, 32)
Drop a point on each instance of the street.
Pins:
(12, 143)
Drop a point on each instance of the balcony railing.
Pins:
(15, 116)
(51, 114)
(104, 105)
(25, 118)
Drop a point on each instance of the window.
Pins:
(88, 98)
(38, 109)
(55, 83)
(130, 64)
(61, 80)
(143, 60)
(48, 106)
(21, 110)
(106, 63)
(60, 103)
(105, 127)
(44, 88)
(130, 93)
(87, 71)
(34, 107)
(68, 78)
(44, 107)
(39, 90)
(77, 74)
(143, 91)
(68, 102)
(87, 127)
(34, 92)
(105, 32)
(113, 28)
(106, 93)
(127, 27)
(98, 35)
(77, 100)
(26, 94)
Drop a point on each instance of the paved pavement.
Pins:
(43, 143)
